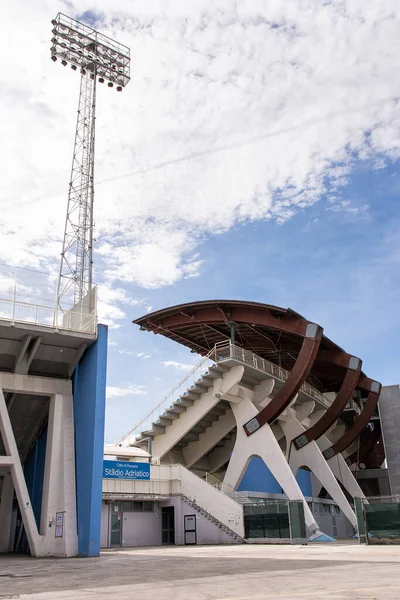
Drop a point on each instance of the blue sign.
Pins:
(114, 469)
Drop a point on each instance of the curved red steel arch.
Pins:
(172, 320)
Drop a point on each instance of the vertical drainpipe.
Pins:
(232, 326)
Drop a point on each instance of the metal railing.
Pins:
(25, 312)
(226, 350)
(181, 389)
(227, 489)
(221, 352)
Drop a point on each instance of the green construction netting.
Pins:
(383, 520)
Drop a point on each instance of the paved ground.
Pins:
(314, 572)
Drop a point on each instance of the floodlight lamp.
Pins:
(74, 67)
(54, 31)
(110, 84)
(64, 63)
(91, 76)
(119, 88)
(101, 79)
(53, 22)
(53, 57)
(83, 71)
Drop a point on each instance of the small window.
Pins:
(126, 506)
(137, 506)
(148, 506)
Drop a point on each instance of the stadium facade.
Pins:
(52, 407)
(272, 435)
(274, 412)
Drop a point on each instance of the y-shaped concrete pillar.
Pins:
(336, 463)
(311, 456)
(264, 444)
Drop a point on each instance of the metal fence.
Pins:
(379, 519)
(273, 521)
(28, 296)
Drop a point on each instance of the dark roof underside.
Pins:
(272, 343)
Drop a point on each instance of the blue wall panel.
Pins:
(303, 478)
(89, 414)
(258, 478)
(34, 474)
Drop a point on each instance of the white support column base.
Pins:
(59, 494)
(263, 443)
(6, 506)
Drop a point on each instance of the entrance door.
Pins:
(168, 525)
(190, 529)
(115, 537)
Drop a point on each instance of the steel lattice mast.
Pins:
(98, 57)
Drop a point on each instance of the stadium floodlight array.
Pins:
(88, 50)
(98, 58)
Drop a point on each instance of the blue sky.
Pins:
(254, 154)
(337, 267)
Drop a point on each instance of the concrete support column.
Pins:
(59, 480)
(6, 506)
(311, 456)
(264, 444)
(24, 501)
(341, 470)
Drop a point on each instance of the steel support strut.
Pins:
(298, 375)
(334, 411)
(374, 390)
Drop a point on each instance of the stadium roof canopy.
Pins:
(274, 333)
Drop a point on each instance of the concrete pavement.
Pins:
(243, 572)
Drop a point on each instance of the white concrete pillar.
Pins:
(263, 443)
(59, 495)
(24, 501)
(6, 506)
(311, 456)
(341, 470)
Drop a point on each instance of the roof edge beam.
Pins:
(298, 375)
(359, 424)
(345, 394)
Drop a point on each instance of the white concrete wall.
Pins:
(142, 528)
(105, 525)
(207, 532)
(220, 506)
(59, 477)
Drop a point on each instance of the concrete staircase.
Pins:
(209, 516)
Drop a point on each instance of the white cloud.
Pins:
(122, 392)
(109, 305)
(234, 113)
(177, 365)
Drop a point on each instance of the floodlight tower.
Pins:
(97, 57)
